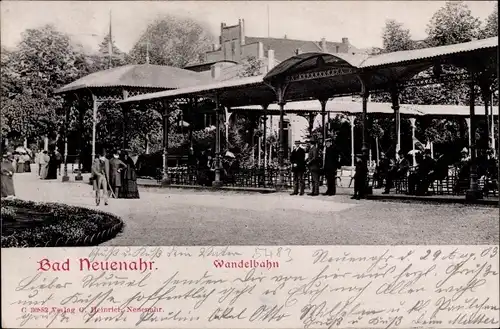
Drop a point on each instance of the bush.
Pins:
(32, 224)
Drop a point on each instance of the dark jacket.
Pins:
(331, 159)
(298, 157)
(313, 159)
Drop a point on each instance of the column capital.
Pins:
(412, 121)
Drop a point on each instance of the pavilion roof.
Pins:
(328, 74)
(138, 76)
(255, 84)
(354, 107)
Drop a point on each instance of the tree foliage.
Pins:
(491, 25)
(172, 41)
(452, 24)
(252, 66)
(395, 37)
(44, 60)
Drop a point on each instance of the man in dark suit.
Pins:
(330, 167)
(360, 177)
(314, 162)
(298, 161)
(398, 171)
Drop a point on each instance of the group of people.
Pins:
(312, 159)
(430, 169)
(206, 164)
(49, 163)
(116, 177)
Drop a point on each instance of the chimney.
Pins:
(298, 51)
(323, 45)
(270, 59)
(260, 50)
(242, 32)
(285, 37)
(345, 41)
(215, 71)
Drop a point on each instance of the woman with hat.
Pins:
(129, 188)
(7, 172)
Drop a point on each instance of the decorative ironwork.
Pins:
(321, 74)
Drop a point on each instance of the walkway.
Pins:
(189, 217)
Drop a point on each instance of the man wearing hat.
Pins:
(360, 177)
(314, 162)
(330, 167)
(298, 161)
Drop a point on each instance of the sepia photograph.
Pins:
(247, 123)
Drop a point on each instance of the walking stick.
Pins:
(112, 192)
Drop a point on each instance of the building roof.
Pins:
(139, 76)
(285, 48)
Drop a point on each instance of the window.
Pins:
(233, 48)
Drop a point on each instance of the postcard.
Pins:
(250, 164)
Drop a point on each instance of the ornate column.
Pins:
(351, 121)
(323, 117)
(311, 122)
(486, 93)
(473, 193)
(397, 117)
(412, 122)
(95, 106)
(264, 134)
(125, 109)
(281, 160)
(166, 177)
(217, 182)
(469, 128)
(67, 109)
(81, 113)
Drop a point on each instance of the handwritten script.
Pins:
(252, 287)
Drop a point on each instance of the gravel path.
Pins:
(189, 217)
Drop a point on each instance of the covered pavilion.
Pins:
(322, 76)
(350, 108)
(117, 84)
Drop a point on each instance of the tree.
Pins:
(396, 37)
(452, 24)
(252, 66)
(172, 41)
(44, 60)
(491, 27)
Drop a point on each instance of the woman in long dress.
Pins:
(27, 162)
(52, 166)
(44, 165)
(129, 179)
(20, 163)
(7, 173)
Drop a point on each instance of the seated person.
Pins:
(397, 171)
(426, 171)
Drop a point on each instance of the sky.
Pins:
(87, 22)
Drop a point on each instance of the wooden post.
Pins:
(473, 193)
(166, 176)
